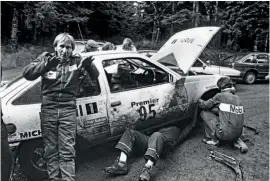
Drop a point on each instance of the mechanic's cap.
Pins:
(92, 43)
(224, 82)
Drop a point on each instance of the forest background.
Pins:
(29, 27)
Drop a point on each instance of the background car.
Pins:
(148, 53)
(252, 66)
(199, 67)
(206, 68)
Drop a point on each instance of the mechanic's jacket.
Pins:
(58, 83)
(231, 113)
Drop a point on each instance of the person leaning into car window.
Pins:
(127, 45)
(60, 72)
(91, 46)
(159, 143)
(223, 115)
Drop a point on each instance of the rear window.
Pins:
(31, 96)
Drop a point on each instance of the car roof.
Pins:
(109, 52)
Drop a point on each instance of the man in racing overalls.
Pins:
(60, 73)
(153, 146)
(225, 119)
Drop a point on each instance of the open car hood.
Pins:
(184, 47)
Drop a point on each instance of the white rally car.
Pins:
(131, 91)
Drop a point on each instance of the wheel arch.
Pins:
(251, 70)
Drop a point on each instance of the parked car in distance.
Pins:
(148, 53)
(252, 66)
(199, 67)
(206, 68)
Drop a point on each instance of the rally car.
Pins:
(132, 90)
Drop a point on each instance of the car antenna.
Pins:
(80, 31)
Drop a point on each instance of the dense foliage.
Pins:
(245, 24)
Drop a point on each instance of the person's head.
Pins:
(108, 46)
(91, 46)
(127, 43)
(64, 45)
(225, 83)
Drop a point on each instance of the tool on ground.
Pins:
(230, 162)
(251, 128)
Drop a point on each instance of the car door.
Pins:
(246, 64)
(93, 121)
(262, 65)
(138, 101)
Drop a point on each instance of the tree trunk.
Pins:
(173, 12)
(255, 44)
(266, 43)
(216, 12)
(158, 32)
(154, 31)
(193, 11)
(35, 32)
(14, 30)
(197, 18)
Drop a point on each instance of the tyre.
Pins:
(250, 78)
(31, 159)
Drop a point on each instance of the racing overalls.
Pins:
(227, 122)
(153, 146)
(58, 112)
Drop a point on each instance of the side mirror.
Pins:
(170, 78)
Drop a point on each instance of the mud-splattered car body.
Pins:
(131, 91)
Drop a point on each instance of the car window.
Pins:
(132, 73)
(31, 96)
(198, 64)
(88, 86)
(263, 58)
(250, 60)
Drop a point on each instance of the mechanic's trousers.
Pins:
(152, 146)
(58, 128)
(214, 129)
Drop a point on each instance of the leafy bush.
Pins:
(22, 57)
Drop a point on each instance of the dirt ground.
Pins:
(190, 160)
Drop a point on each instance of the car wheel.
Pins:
(250, 78)
(31, 159)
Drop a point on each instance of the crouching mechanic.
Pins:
(158, 143)
(60, 72)
(223, 116)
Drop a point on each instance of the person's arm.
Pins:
(87, 65)
(39, 67)
(210, 102)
